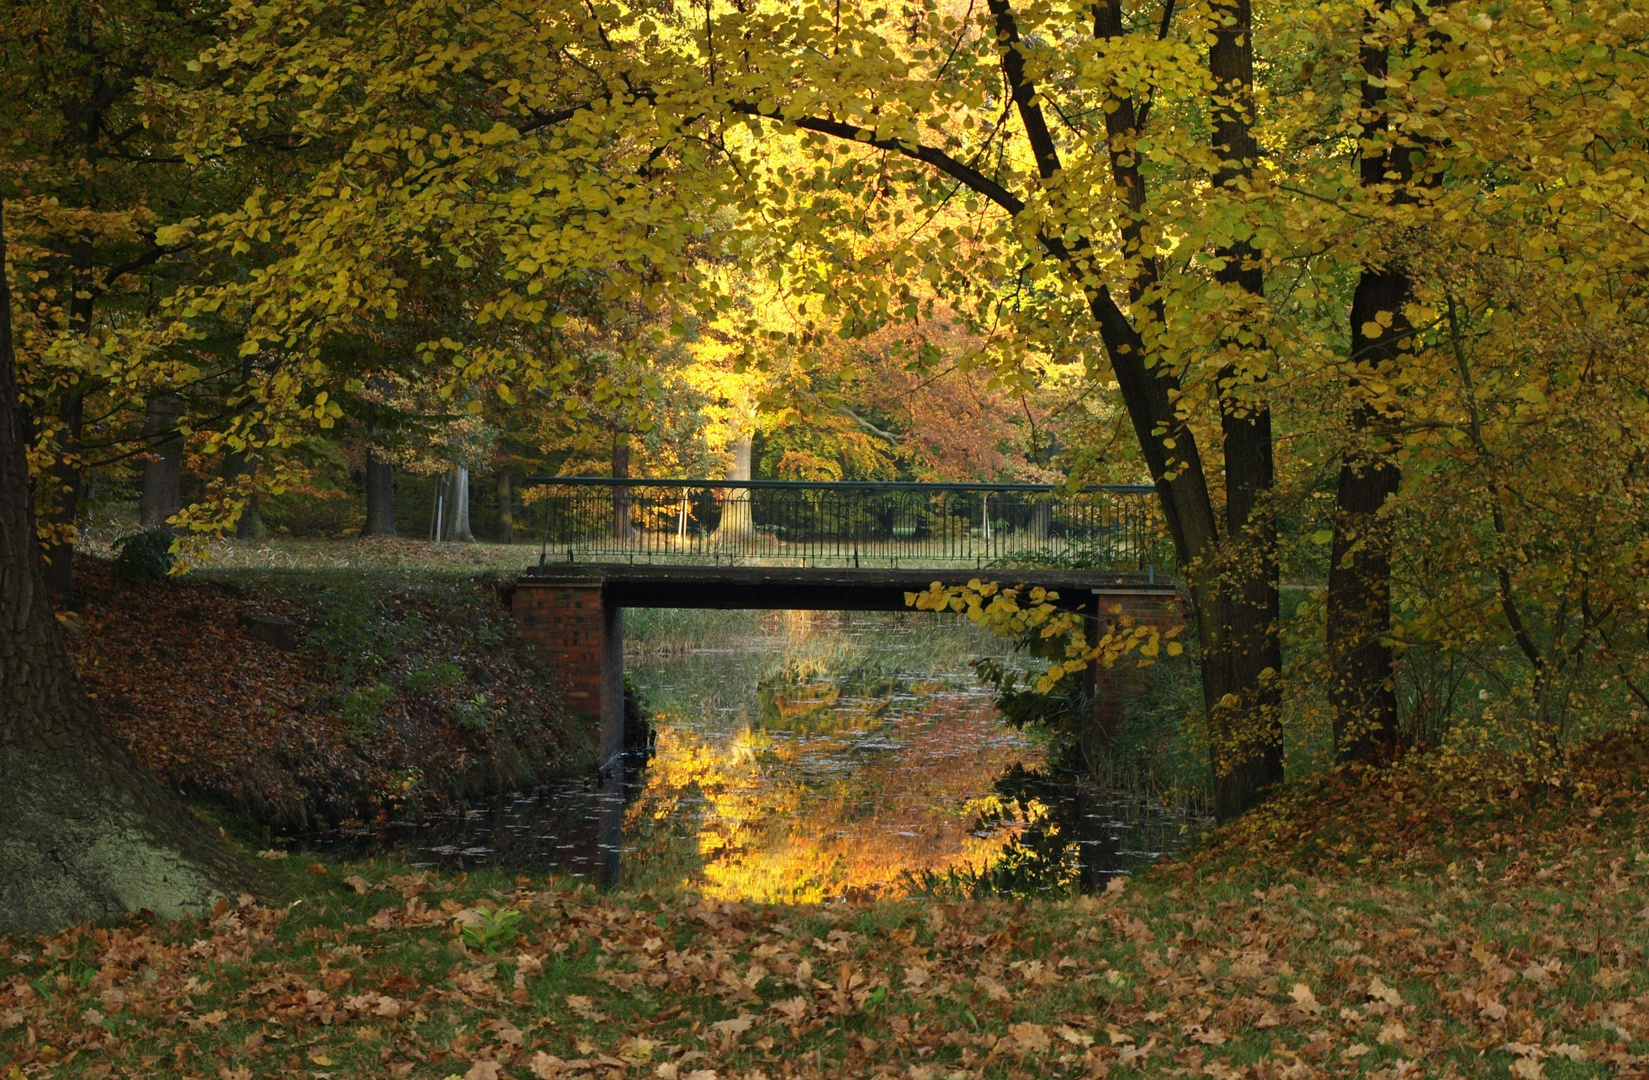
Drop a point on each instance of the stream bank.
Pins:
(392, 691)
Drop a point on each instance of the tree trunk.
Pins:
(736, 520)
(622, 528)
(1359, 573)
(1359, 576)
(455, 528)
(380, 496)
(1249, 603)
(163, 472)
(506, 507)
(58, 552)
(89, 834)
(249, 525)
(1233, 636)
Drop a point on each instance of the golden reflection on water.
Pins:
(843, 775)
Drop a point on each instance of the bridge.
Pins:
(608, 544)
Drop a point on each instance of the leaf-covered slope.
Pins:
(401, 688)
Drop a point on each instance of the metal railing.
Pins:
(865, 524)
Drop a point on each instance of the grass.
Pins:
(1387, 925)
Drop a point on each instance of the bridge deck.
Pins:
(821, 588)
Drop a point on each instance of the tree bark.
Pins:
(736, 520)
(89, 833)
(380, 496)
(506, 506)
(455, 527)
(623, 530)
(71, 415)
(249, 525)
(1359, 577)
(163, 472)
(1250, 598)
(68, 479)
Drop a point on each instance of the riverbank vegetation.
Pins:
(294, 700)
(1475, 931)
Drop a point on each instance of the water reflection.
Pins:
(800, 757)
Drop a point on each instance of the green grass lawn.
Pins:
(1379, 926)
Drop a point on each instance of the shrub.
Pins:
(144, 556)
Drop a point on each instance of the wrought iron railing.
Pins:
(796, 523)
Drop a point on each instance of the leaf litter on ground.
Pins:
(1348, 930)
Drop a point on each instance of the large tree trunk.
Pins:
(736, 520)
(1232, 629)
(71, 415)
(1359, 573)
(88, 833)
(1359, 576)
(1248, 723)
(163, 472)
(506, 507)
(455, 513)
(67, 479)
(380, 496)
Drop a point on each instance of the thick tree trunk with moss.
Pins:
(89, 833)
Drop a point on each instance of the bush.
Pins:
(144, 556)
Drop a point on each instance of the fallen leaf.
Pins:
(1379, 991)
(1304, 999)
(1074, 1037)
(1033, 1037)
(736, 1026)
(792, 1009)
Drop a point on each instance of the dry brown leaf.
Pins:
(1032, 1037)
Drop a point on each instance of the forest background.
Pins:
(1359, 287)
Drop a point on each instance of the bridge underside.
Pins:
(573, 614)
(819, 588)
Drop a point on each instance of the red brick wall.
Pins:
(1113, 687)
(562, 623)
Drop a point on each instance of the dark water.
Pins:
(804, 756)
